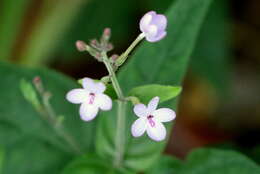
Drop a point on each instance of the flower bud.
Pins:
(153, 26)
(94, 43)
(109, 47)
(81, 46)
(107, 32)
(114, 57)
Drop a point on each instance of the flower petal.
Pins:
(77, 96)
(87, 111)
(146, 20)
(99, 87)
(140, 110)
(160, 21)
(157, 133)
(160, 35)
(138, 127)
(88, 84)
(152, 31)
(103, 101)
(152, 105)
(164, 115)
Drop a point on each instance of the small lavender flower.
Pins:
(153, 26)
(150, 120)
(91, 97)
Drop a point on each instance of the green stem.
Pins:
(120, 133)
(120, 125)
(53, 119)
(112, 76)
(122, 58)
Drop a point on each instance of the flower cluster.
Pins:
(92, 98)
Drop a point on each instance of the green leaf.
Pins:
(91, 164)
(29, 93)
(1, 159)
(211, 62)
(25, 132)
(147, 92)
(164, 63)
(213, 161)
(166, 165)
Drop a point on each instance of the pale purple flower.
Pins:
(151, 119)
(91, 97)
(153, 26)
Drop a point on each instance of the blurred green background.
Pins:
(220, 103)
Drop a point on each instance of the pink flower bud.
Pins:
(107, 32)
(81, 46)
(114, 57)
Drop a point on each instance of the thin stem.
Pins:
(53, 119)
(113, 76)
(122, 58)
(120, 125)
(47, 112)
(120, 133)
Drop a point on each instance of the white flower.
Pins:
(153, 26)
(91, 97)
(150, 120)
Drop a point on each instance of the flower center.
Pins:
(91, 98)
(150, 120)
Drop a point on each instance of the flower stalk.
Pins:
(121, 110)
(122, 58)
(49, 115)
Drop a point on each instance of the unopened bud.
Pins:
(36, 80)
(81, 46)
(106, 35)
(94, 43)
(107, 32)
(38, 84)
(109, 47)
(114, 57)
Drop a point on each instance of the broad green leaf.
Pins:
(11, 15)
(26, 134)
(211, 62)
(31, 155)
(91, 164)
(147, 92)
(166, 165)
(1, 159)
(213, 161)
(164, 63)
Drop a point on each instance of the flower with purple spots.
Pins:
(91, 97)
(151, 119)
(153, 26)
